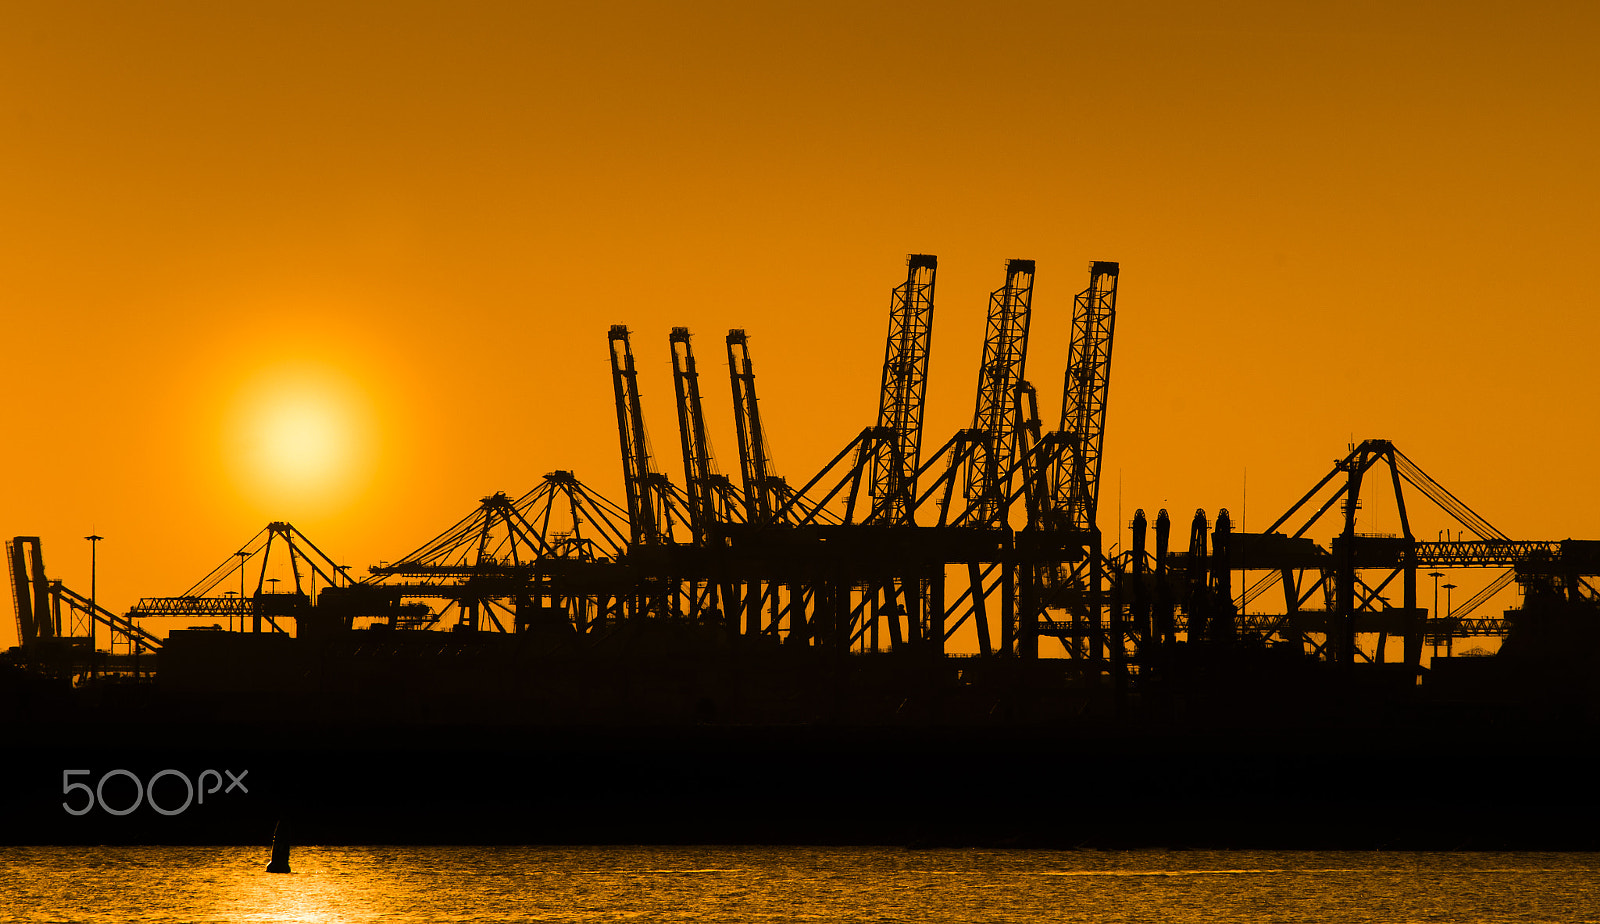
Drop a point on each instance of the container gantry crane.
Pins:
(1068, 463)
(987, 470)
(713, 500)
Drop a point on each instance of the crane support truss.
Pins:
(754, 457)
(30, 590)
(654, 504)
(1357, 604)
(122, 627)
(905, 377)
(39, 603)
(560, 541)
(210, 595)
(697, 473)
(986, 483)
(630, 430)
(1083, 406)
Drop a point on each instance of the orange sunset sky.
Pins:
(352, 265)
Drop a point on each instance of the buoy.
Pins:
(280, 849)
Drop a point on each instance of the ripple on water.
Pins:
(595, 884)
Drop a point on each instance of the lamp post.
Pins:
(241, 556)
(94, 568)
(1436, 575)
(274, 591)
(1449, 611)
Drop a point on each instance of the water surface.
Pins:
(451, 884)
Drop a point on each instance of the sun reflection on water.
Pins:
(453, 884)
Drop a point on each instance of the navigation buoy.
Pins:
(280, 849)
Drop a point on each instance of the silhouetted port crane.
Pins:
(987, 470)
(772, 509)
(1068, 469)
(258, 608)
(55, 624)
(1353, 575)
(552, 554)
(713, 501)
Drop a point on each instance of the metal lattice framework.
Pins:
(654, 503)
(212, 595)
(40, 603)
(507, 551)
(692, 433)
(1083, 407)
(747, 422)
(986, 482)
(1355, 604)
(713, 501)
(896, 456)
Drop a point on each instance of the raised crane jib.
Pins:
(635, 449)
(754, 459)
(692, 435)
(987, 477)
(897, 455)
(1083, 406)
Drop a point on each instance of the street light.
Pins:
(241, 555)
(1449, 610)
(1436, 576)
(94, 565)
(274, 590)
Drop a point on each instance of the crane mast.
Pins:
(896, 456)
(635, 450)
(753, 456)
(692, 433)
(987, 481)
(1064, 480)
(1083, 407)
(30, 590)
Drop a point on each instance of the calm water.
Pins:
(791, 884)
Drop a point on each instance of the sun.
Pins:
(302, 440)
(300, 435)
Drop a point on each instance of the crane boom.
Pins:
(30, 590)
(895, 460)
(1083, 405)
(755, 459)
(630, 430)
(692, 434)
(987, 481)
